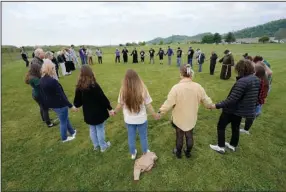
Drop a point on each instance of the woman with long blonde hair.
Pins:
(53, 97)
(134, 98)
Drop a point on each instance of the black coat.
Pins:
(213, 59)
(242, 98)
(94, 103)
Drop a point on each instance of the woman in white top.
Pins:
(134, 98)
(89, 56)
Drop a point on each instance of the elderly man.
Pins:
(39, 56)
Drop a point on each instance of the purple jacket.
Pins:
(81, 53)
(117, 53)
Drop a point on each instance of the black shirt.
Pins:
(125, 52)
(151, 52)
(161, 53)
(179, 53)
(142, 53)
(190, 54)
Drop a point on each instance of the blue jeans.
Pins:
(142, 129)
(258, 110)
(65, 124)
(200, 67)
(97, 136)
(179, 61)
(190, 61)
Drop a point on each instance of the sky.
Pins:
(104, 23)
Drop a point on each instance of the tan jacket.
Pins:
(185, 98)
(144, 163)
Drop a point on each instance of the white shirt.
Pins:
(136, 118)
(89, 52)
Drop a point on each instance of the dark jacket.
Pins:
(242, 98)
(37, 60)
(61, 59)
(213, 58)
(227, 60)
(55, 61)
(94, 103)
(52, 94)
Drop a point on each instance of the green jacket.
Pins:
(35, 82)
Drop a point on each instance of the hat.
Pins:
(226, 51)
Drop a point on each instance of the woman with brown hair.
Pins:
(134, 98)
(96, 106)
(240, 103)
(260, 72)
(184, 99)
(33, 78)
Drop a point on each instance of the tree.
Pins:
(128, 44)
(208, 39)
(217, 38)
(263, 39)
(120, 45)
(161, 42)
(280, 34)
(229, 38)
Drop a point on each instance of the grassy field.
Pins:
(33, 158)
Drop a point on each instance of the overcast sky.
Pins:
(98, 23)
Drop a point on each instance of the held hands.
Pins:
(212, 106)
(156, 116)
(74, 109)
(111, 113)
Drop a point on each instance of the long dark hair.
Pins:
(34, 72)
(86, 78)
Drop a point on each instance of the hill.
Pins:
(268, 29)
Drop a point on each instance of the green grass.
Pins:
(33, 158)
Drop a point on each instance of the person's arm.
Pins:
(77, 102)
(205, 99)
(147, 101)
(221, 60)
(62, 94)
(231, 60)
(267, 69)
(235, 95)
(169, 103)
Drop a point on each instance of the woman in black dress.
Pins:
(135, 56)
(125, 55)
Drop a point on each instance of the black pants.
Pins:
(57, 70)
(44, 112)
(142, 59)
(125, 58)
(100, 60)
(212, 68)
(27, 62)
(180, 140)
(224, 120)
(117, 59)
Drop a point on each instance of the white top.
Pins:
(89, 52)
(136, 118)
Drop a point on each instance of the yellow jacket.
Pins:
(185, 98)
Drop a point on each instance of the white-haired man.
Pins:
(39, 56)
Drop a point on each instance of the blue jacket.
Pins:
(170, 52)
(52, 94)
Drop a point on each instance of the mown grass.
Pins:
(33, 158)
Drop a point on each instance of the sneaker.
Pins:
(244, 131)
(230, 146)
(96, 148)
(133, 156)
(218, 149)
(108, 144)
(68, 139)
(73, 135)
(51, 125)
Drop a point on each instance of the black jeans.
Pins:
(27, 62)
(99, 60)
(212, 68)
(44, 112)
(248, 123)
(142, 59)
(117, 59)
(224, 120)
(180, 139)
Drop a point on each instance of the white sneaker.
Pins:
(133, 156)
(148, 151)
(73, 135)
(218, 149)
(244, 131)
(229, 146)
(68, 139)
(108, 144)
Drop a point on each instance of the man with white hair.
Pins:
(39, 56)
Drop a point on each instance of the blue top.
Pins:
(52, 94)
(170, 52)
